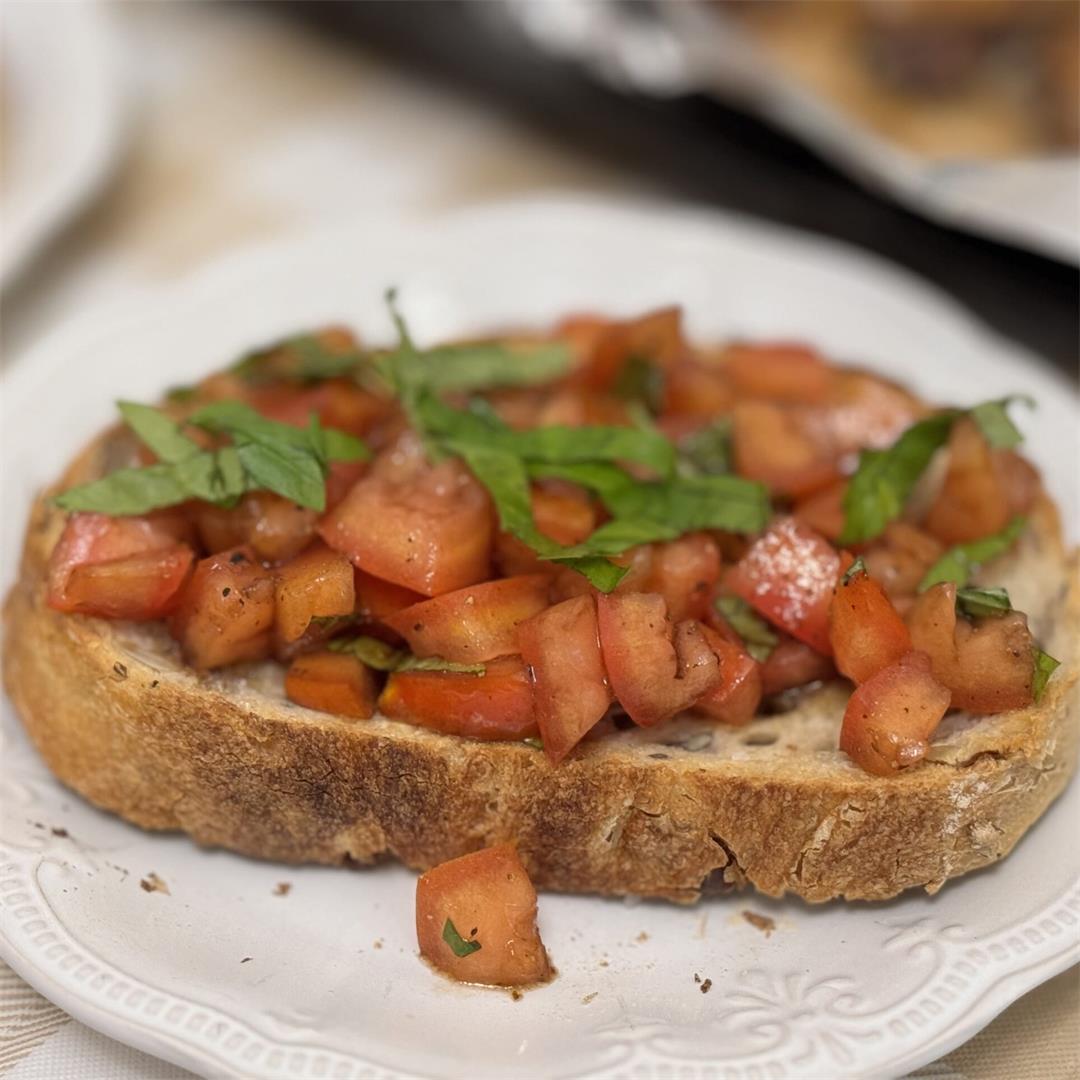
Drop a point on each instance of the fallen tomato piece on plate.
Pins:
(476, 920)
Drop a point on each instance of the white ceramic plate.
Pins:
(63, 119)
(226, 977)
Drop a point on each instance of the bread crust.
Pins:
(228, 760)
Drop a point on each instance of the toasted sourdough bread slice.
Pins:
(671, 812)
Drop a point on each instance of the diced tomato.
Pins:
(333, 683)
(274, 527)
(788, 576)
(685, 572)
(1019, 480)
(226, 611)
(497, 705)
(562, 647)
(474, 624)
(655, 337)
(485, 904)
(565, 516)
(792, 664)
(697, 390)
(865, 630)
(376, 599)
(317, 582)
(824, 510)
(139, 587)
(738, 695)
(972, 502)
(427, 527)
(900, 558)
(782, 371)
(768, 447)
(655, 670)
(890, 717)
(340, 479)
(120, 568)
(338, 403)
(988, 664)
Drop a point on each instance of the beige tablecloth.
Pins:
(243, 128)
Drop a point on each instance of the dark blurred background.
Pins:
(699, 148)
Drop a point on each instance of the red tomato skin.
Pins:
(474, 624)
(226, 611)
(94, 539)
(788, 576)
(655, 336)
(685, 572)
(488, 898)
(316, 583)
(823, 511)
(780, 371)
(736, 699)
(376, 599)
(332, 683)
(428, 528)
(865, 630)
(495, 706)
(655, 670)
(561, 645)
(274, 527)
(890, 717)
(792, 664)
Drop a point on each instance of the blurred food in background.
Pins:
(945, 78)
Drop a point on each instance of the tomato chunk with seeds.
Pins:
(476, 920)
(684, 572)
(120, 568)
(474, 624)
(316, 583)
(788, 576)
(865, 630)
(497, 705)
(782, 371)
(988, 664)
(973, 501)
(274, 527)
(890, 717)
(426, 527)
(333, 683)
(768, 447)
(656, 670)
(226, 611)
(736, 698)
(562, 647)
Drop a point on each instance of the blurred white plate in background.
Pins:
(226, 977)
(62, 120)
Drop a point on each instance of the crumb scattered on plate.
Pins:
(588, 997)
(760, 922)
(706, 986)
(245, 960)
(642, 936)
(59, 832)
(282, 888)
(152, 883)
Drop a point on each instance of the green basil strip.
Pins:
(1045, 666)
(993, 420)
(759, 638)
(458, 945)
(379, 656)
(981, 603)
(961, 561)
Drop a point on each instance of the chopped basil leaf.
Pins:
(640, 380)
(857, 567)
(181, 394)
(536, 744)
(994, 423)
(331, 623)
(759, 638)
(302, 357)
(158, 431)
(961, 561)
(707, 450)
(457, 943)
(982, 603)
(1045, 666)
(264, 455)
(378, 655)
(884, 479)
